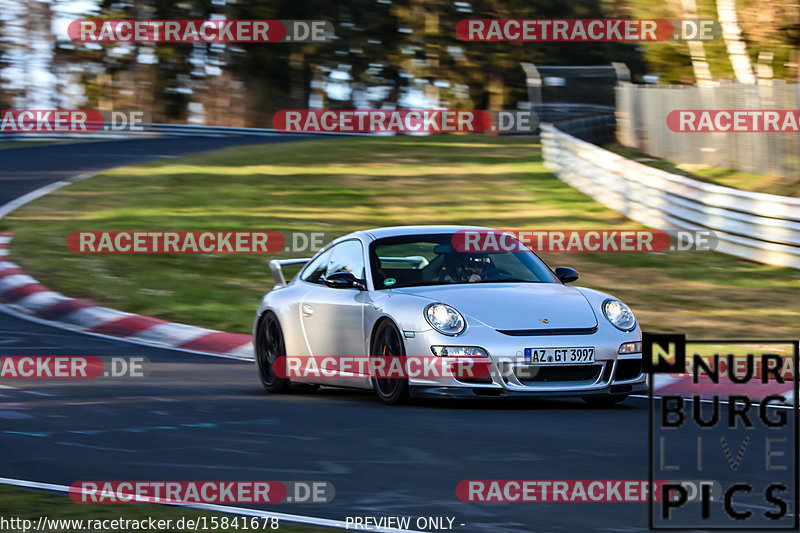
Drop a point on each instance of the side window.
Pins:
(315, 271)
(347, 256)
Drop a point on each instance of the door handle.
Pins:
(307, 310)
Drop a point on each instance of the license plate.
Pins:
(559, 356)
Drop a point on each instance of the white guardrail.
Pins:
(760, 227)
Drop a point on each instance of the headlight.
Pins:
(619, 314)
(445, 319)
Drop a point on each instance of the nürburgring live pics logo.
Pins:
(728, 413)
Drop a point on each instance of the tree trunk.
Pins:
(702, 74)
(737, 49)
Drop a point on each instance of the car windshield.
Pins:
(417, 260)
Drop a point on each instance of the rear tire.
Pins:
(269, 345)
(605, 401)
(386, 343)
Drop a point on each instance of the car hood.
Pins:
(514, 306)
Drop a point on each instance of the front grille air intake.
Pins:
(542, 332)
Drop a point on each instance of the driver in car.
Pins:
(471, 268)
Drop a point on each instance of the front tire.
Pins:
(269, 345)
(387, 343)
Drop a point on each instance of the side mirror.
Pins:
(566, 274)
(344, 280)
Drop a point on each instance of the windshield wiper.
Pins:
(509, 280)
(446, 283)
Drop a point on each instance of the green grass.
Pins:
(765, 183)
(340, 185)
(30, 505)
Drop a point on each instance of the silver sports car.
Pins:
(408, 291)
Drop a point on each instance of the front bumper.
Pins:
(609, 374)
(496, 392)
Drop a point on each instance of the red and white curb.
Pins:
(24, 295)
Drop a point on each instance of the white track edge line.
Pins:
(27, 198)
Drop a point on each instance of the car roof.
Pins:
(397, 231)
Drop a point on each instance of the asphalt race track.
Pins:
(205, 418)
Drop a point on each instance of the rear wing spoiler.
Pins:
(276, 266)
